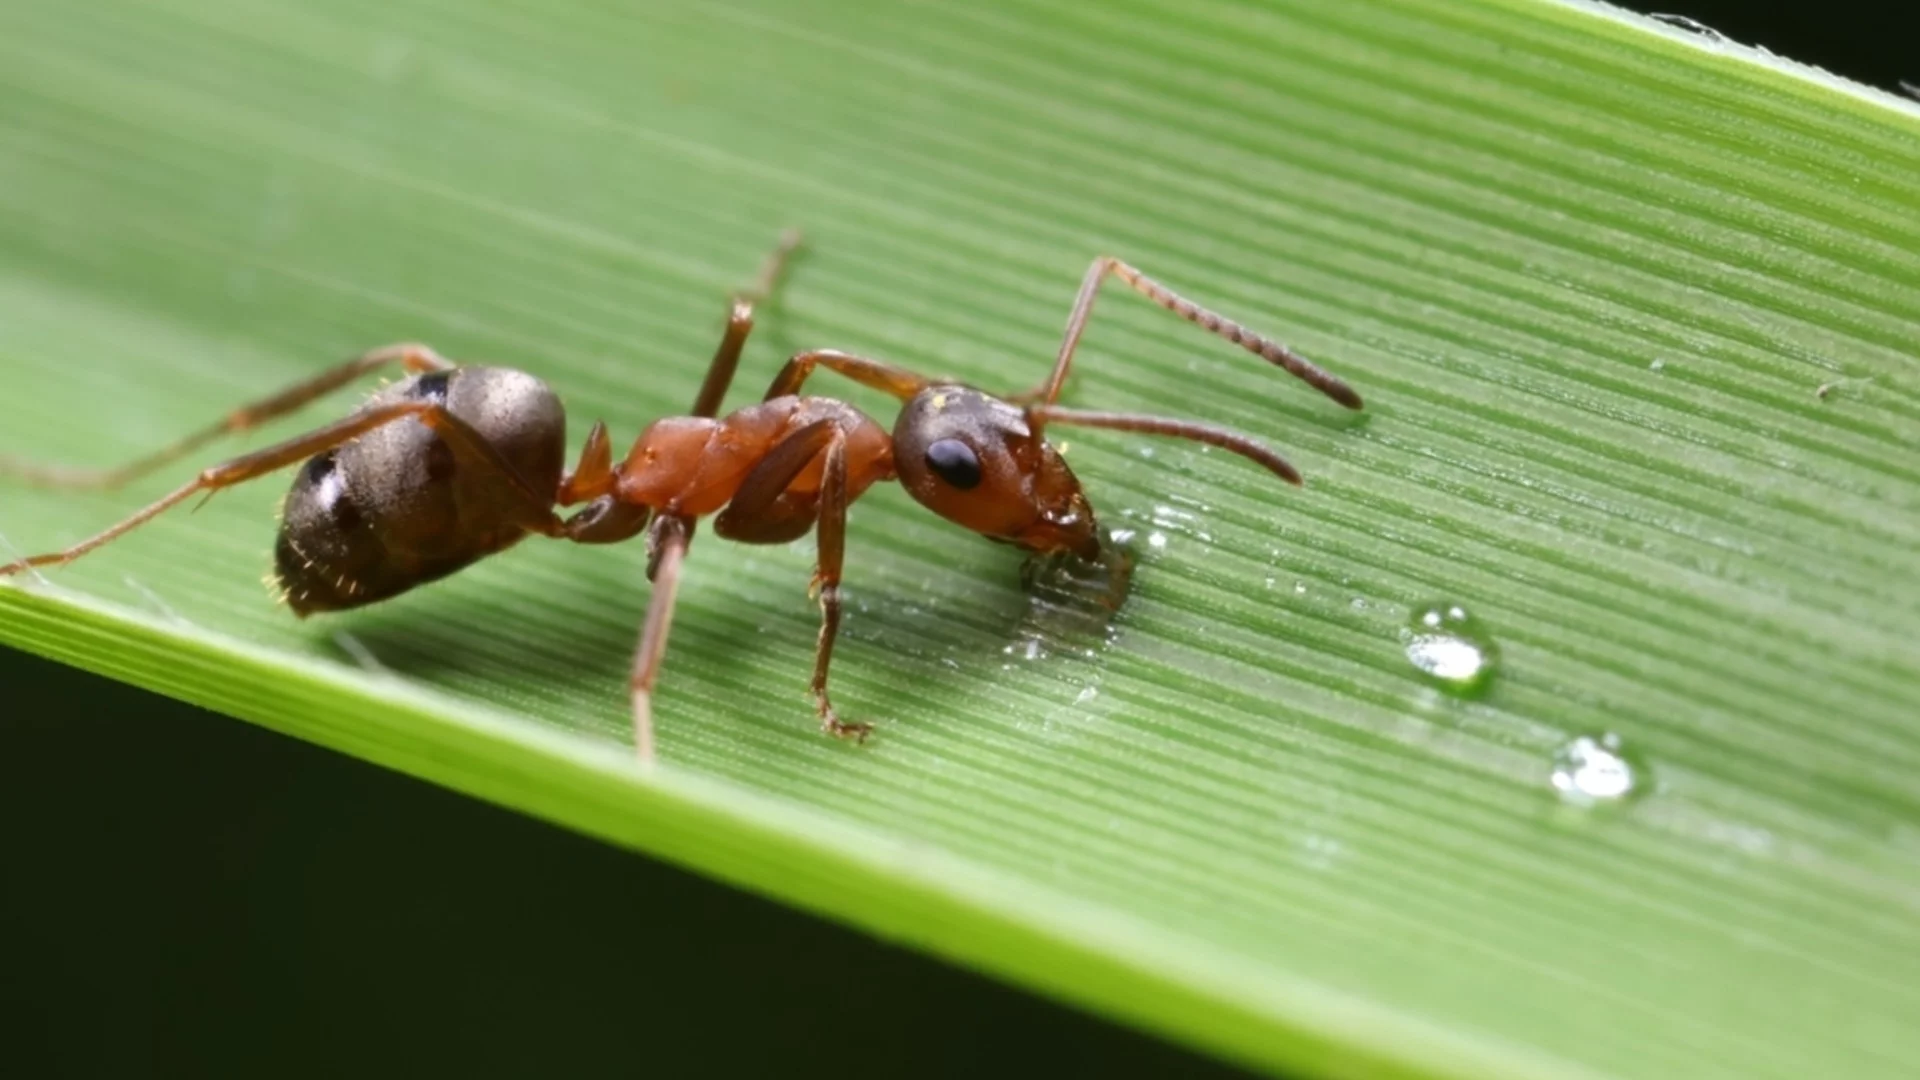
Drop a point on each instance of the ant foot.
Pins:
(831, 724)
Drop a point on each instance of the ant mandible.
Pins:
(454, 463)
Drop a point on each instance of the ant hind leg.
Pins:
(414, 358)
(465, 443)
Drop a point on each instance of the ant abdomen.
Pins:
(396, 508)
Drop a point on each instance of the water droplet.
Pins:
(1657, 365)
(1086, 694)
(1299, 588)
(1071, 602)
(1450, 646)
(1590, 770)
(1319, 852)
(1157, 540)
(1270, 583)
(1358, 603)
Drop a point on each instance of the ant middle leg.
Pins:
(466, 444)
(669, 535)
(414, 358)
(1267, 349)
(726, 358)
(671, 530)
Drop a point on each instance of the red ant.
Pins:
(382, 505)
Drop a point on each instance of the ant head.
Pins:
(974, 460)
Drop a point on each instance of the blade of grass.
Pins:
(1588, 275)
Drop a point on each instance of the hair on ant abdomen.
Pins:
(454, 463)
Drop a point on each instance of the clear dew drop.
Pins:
(1591, 770)
(1451, 648)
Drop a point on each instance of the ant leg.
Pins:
(465, 443)
(880, 375)
(760, 512)
(1040, 415)
(415, 358)
(826, 579)
(671, 535)
(1271, 351)
(726, 359)
(669, 539)
(713, 389)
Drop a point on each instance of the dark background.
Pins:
(184, 894)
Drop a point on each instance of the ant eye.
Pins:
(954, 461)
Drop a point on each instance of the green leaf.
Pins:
(1589, 274)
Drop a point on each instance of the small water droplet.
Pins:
(1591, 770)
(1071, 602)
(1086, 694)
(1657, 365)
(1157, 540)
(1320, 852)
(1452, 648)
(1269, 583)
(1358, 603)
(1299, 588)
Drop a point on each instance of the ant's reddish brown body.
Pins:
(455, 463)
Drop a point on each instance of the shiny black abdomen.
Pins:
(395, 508)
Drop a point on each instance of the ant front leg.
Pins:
(412, 357)
(878, 374)
(826, 580)
(764, 511)
(1267, 349)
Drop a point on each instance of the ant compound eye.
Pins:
(955, 462)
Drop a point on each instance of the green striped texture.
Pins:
(1588, 273)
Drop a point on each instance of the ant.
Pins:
(454, 463)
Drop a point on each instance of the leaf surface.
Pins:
(1633, 314)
